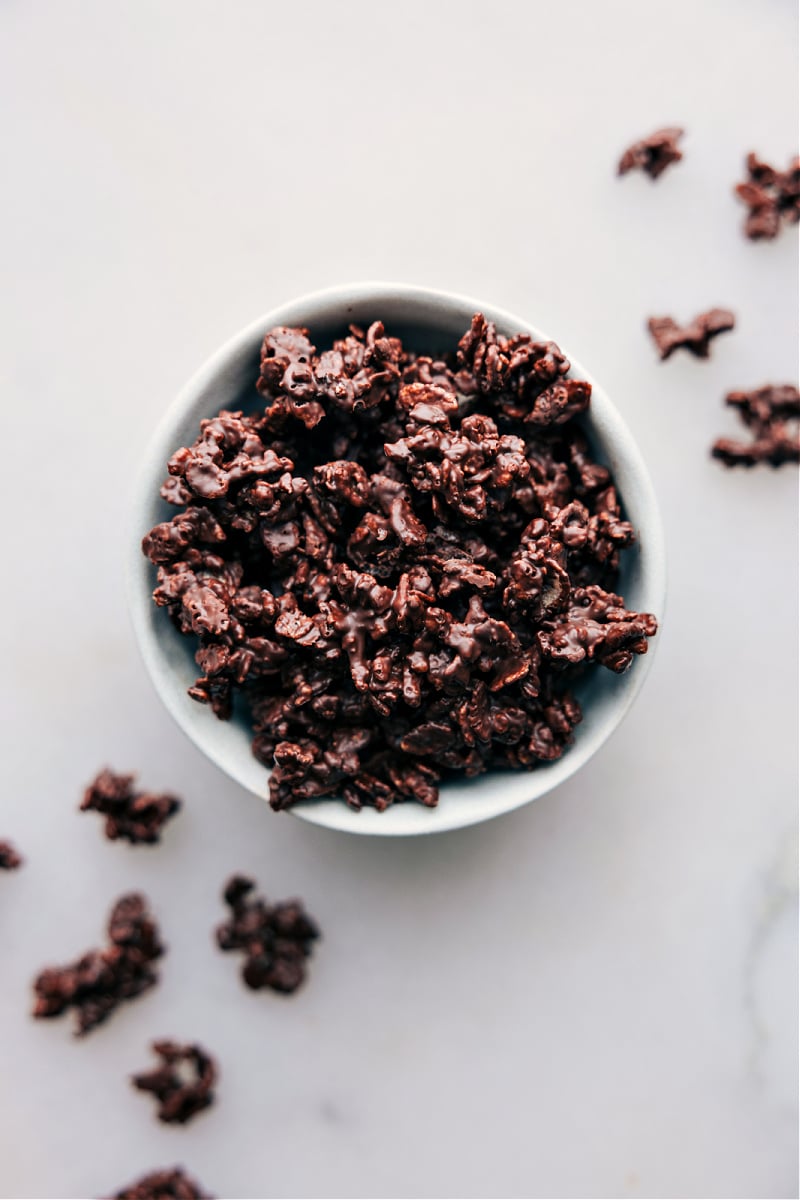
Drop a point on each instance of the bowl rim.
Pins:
(519, 788)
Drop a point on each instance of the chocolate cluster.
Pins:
(400, 564)
(10, 858)
(169, 1184)
(98, 982)
(137, 817)
(276, 938)
(653, 154)
(772, 197)
(695, 336)
(183, 1083)
(771, 415)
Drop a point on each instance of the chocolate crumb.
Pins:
(138, 817)
(772, 197)
(98, 982)
(694, 337)
(10, 858)
(167, 1184)
(382, 563)
(276, 939)
(183, 1084)
(771, 414)
(653, 154)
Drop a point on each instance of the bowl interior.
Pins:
(431, 322)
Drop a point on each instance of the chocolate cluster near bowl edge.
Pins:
(137, 817)
(399, 564)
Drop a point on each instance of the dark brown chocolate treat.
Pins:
(276, 938)
(694, 337)
(183, 1084)
(598, 628)
(138, 817)
(771, 414)
(652, 154)
(773, 197)
(97, 983)
(10, 858)
(168, 1184)
(389, 565)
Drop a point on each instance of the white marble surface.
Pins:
(592, 997)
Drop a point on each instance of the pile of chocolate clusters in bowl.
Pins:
(401, 564)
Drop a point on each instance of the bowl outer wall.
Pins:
(219, 383)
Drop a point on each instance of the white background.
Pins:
(595, 996)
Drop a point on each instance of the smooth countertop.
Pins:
(596, 995)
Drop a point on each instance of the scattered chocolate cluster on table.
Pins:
(95, 984)
(168, 1184)
(771, 414)
(138, 817)
(276, 938)
(772, 196)
(694, 337)
(183, 1084)
(401, 564)
(10, 858)
(652, 154)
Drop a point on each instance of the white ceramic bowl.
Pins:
(427, 320)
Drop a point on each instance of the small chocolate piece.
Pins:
(138, 817)
(367, 563)
(653, 154)
(772, 196)
(694, 337)
(771, 413)
(97, 983)
(168, 1184)
(277, 939)
(183, 1084)
(597, 628)
(10, 858)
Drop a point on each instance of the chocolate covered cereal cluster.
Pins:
(772, 197)
(771, 415)
(100, 980)
(182, 1083)
(137, 817)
